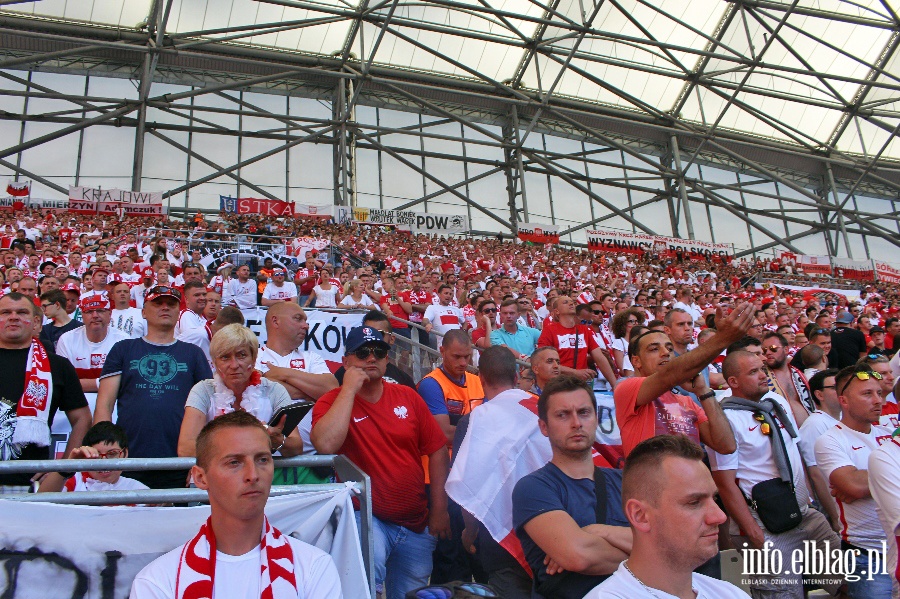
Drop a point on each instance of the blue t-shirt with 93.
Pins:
(156, 380)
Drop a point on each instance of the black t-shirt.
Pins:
(50, 333)
(392, 375)
(846, 346)
(67, 396)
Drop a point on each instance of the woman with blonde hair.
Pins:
(356, 298)
(236, 385)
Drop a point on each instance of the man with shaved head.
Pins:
(668, 497)
(755, 462)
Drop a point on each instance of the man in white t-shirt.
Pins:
(251, 558)
(195, 302)
(884, 484)
(842, 454)
(754, 462)
(277, 290)
(240, 292)
(86, 347)
(125, 318)
(442, 317)
(669, 500)
(827, 414)
(304, 374)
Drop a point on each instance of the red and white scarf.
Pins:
(33, 410)
(197, 568)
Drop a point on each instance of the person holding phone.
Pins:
(237, 385)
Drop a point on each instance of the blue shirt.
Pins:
(549, 489)
(524, 340)
(154, 387)
(433, 394)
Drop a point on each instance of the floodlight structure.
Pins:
(765, 123)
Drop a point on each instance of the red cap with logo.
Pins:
(94, 302)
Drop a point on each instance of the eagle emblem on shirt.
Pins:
(401, 412)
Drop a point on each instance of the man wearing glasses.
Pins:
(784, 379)
(149, 379)
(385, 429)
(842, 455)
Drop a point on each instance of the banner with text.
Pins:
(814, 265)
(46, 557)
(256, 206)
(96, 200)
(301, 245)
(823, 294)
(887, 272)
(858, 270)
(13, 203)
(638, 243)
(404, 220)
(538, 232)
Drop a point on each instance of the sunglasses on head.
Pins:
(862, 375)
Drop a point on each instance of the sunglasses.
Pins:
(862, 375)
(489, 310)
(821, 332)
(764, 427)
(364, 352)
(597, 312)
(771, 348)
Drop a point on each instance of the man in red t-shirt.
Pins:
(385, 429)
(647, 407)
(573, 348)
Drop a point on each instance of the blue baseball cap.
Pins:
(359, 336)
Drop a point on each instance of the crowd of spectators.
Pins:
(775, 384)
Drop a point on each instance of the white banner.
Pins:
(301, 245)
(313, 211)
(638, 243)
(887, 272)
(98, 194)
(42, 203)
(404, 220)
(815, 265)
(52, 551)
(327, 335)
(858, 270)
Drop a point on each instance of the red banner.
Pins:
(538, 233)
(621, 242)
(256, 206)
(857, 270)
(19, 189)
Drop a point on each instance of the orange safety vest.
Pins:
(460, 400)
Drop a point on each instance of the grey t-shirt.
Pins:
(201, 396)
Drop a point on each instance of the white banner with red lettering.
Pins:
(309, 210)
(121, 202)
(301, 245)
(858, 270)
(887, 272)
(51, 551)
(638, 243)
(814, 265)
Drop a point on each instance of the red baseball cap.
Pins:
(148, 273)
(94, 302)
(71, 287)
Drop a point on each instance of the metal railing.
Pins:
(345, 469)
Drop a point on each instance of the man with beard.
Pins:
(784, 379)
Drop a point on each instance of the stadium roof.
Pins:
(818, 75)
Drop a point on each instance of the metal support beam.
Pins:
(515, 173)
(682, 191)
(832, 191)
(344, 150)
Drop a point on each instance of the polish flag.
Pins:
(19, 189)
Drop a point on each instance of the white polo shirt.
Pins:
(88, 358)
(884, 483)
(188, 319)
(842, 446)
